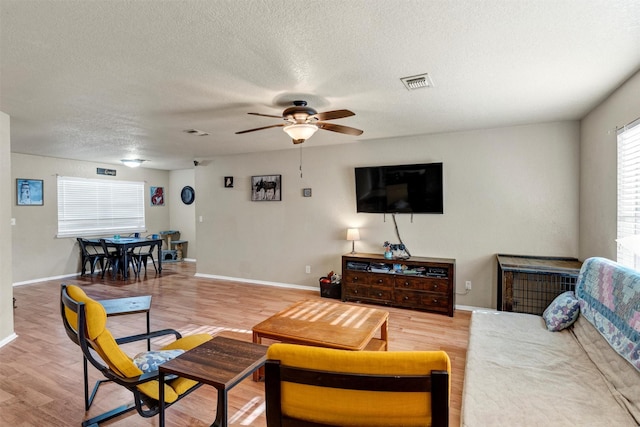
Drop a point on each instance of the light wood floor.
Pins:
(41, 370)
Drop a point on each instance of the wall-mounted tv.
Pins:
(400, 189)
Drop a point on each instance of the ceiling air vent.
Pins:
(417, 82)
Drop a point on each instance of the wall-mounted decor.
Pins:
(157, 196)
(266, 187)
(306, 192)
(29, 192)
(228, 182)
(188, 195)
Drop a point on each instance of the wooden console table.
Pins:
(421, 283)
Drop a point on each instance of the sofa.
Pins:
(568, 367)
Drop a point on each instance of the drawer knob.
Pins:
(406, 298)
(355, 278)
(406, 284)
(380, 294)
(435, 286)
(380, 280)
(355, 291)
(435, 301)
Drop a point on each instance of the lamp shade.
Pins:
(300, 131)
(353, 234)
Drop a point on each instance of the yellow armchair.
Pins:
(85, 321)
(313, 386)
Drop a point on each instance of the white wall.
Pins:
(598, 165)
(6, 290)
(37, 253)
(183, 217)
(508, 190)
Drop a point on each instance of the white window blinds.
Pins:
(629, 195)
(97, 206)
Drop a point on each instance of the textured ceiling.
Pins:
(108, 80)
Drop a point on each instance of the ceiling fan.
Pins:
(301, 122)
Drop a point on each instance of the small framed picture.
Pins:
(306, 192)
(266, 187)
(29, 192)
(228, 182)
(157, 196)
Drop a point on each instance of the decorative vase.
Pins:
(388, 254)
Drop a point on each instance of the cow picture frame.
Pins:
(266, 188)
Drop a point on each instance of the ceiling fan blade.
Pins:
(332, 115)
(279, 125)
(339, 128)
(265, 115)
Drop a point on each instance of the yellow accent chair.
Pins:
(313, 386)
(85, 321)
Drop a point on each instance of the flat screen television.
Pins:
(400, 189)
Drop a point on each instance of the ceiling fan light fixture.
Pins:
(300, 131)
(132, 163)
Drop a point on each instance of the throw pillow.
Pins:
(562, 312)
(149, 361)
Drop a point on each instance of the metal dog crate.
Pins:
(528, 284)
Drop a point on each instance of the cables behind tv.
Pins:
(395, 224)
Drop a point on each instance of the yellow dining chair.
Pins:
(85, 322)
(312, 386)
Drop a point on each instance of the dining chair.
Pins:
(114, 259)
(90, 254)
(141, 255)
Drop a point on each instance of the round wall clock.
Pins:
(187, 195)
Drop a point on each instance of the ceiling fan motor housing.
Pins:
(299, 113)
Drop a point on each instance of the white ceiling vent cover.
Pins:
(417, 82)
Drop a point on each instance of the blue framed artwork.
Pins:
(29, 192)
(157, 196)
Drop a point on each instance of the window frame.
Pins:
(628, 195)
(94, 207)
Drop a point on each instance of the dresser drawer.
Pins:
(407, 298)
(355, 291)
(422, 284)
(383, 280)
(436, 302)
(380, 293)
(356, 277)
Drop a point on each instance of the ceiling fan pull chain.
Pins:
(301, 162)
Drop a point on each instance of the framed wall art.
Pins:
(157, 196)
(29, 192)
(266, 188)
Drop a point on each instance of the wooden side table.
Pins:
(221, 363)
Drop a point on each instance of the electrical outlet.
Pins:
(467, 285)
(307, 269)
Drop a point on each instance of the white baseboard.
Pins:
(44, 279)
(258, 282)
(472, 308)
(8, 339)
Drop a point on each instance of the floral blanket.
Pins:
(609, 297)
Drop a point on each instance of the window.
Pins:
(98, 206)
(629, 195)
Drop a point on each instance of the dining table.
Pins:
(124, 244)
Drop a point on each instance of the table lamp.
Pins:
(353, 234)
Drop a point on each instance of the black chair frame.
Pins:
(437, 384)
(81, 339)
(92, 258)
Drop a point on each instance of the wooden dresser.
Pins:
(426, 284)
